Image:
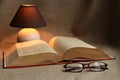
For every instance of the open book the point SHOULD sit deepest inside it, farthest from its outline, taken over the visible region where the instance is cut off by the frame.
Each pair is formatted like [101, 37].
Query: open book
[58, 49]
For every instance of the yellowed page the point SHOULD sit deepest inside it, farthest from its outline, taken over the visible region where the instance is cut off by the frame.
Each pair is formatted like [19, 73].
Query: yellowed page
[31, 53]
[62, 44]
[34, 47]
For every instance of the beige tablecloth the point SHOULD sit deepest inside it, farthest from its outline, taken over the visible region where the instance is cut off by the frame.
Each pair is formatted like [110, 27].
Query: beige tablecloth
[54, 72]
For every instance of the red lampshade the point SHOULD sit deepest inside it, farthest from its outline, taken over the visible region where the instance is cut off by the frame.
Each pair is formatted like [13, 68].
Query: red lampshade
[28, 16]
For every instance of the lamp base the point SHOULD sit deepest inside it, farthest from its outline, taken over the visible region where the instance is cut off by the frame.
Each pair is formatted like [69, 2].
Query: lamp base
[28, 34]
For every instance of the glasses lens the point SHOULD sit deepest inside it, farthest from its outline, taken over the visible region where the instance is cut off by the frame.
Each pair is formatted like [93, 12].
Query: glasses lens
[97, 66]
[74, 67]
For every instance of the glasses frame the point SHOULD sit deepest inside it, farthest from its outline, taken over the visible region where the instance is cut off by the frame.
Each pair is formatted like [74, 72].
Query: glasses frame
[84, 67]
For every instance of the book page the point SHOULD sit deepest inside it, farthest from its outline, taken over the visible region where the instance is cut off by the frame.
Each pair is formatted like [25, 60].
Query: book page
[31, 53]
[33, 47]
[62, 44]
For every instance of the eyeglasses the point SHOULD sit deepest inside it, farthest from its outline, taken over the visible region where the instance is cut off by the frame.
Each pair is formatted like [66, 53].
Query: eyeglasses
[92, 66]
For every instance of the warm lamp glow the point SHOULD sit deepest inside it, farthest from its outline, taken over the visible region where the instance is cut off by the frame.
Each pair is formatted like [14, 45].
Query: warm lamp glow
[28, 16]
[28, 34]
[52, 42]
[27, 5]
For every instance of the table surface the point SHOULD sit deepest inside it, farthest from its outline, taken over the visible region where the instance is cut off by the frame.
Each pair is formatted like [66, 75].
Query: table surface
[55, 72]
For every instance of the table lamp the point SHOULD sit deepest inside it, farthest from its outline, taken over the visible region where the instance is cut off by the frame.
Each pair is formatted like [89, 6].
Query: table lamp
[28, 17]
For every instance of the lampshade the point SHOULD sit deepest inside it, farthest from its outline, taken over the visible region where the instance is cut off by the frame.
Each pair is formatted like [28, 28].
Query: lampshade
[28, 16]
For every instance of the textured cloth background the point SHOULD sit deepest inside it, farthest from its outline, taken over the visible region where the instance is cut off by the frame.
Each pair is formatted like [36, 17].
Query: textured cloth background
[92, 20]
